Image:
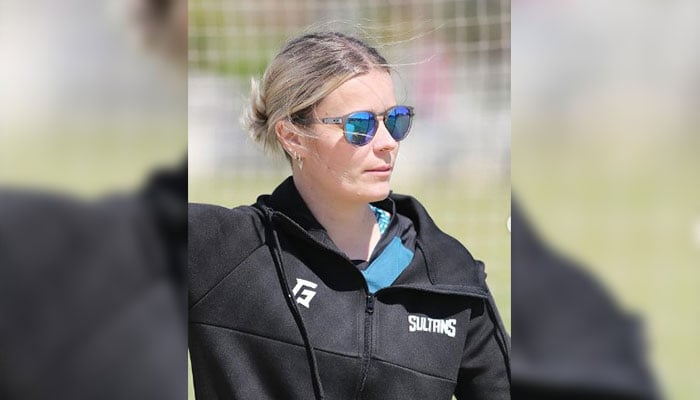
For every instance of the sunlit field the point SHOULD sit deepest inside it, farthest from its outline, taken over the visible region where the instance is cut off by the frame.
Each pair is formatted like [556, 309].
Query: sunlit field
[90, 160]
[627, 207]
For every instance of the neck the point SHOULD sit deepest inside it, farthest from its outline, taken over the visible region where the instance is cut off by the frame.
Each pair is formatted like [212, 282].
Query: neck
[351, 225]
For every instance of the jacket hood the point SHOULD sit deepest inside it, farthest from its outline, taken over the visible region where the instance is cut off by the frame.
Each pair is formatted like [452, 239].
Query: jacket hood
[441, 263]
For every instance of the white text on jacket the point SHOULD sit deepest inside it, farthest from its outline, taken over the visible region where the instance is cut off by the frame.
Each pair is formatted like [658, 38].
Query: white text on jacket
[425, 324]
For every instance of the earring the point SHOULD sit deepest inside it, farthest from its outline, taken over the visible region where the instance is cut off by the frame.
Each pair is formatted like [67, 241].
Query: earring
[299, 160]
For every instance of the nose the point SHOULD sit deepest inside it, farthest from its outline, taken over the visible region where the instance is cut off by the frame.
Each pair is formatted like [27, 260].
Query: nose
[383, 141]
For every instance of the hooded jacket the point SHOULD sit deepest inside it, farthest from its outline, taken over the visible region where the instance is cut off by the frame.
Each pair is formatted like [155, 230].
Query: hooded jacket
[277, 311]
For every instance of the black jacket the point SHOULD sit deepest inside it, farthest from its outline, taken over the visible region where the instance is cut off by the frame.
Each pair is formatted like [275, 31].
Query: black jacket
[92, 293]
[433, 333]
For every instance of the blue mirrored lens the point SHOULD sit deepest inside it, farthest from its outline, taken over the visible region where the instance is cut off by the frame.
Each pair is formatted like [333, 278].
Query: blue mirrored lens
[360, 127]
[398, 122]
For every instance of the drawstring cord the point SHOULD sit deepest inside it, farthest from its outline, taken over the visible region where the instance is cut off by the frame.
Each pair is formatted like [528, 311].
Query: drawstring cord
[276, 251]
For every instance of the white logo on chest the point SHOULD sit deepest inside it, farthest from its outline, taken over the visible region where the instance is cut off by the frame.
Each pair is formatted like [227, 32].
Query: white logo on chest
[306, 294]
[424, 324]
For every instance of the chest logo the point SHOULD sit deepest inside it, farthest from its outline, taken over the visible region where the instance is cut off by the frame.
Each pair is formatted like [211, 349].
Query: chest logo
[303, 293]
[424, 324]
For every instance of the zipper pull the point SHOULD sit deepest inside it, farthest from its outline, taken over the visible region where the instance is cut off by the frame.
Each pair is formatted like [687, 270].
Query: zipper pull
[370, 303]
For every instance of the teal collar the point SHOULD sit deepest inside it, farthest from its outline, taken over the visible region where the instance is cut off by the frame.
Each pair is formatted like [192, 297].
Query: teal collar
[383, 217]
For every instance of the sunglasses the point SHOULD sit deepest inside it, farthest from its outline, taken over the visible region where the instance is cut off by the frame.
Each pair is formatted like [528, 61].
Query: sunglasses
[361, 126]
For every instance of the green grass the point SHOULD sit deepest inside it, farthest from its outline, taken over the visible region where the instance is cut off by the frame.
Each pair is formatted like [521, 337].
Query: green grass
[87, 162]
[626, 207]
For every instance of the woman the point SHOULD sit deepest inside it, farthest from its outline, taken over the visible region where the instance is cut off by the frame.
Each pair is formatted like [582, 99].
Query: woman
[333, 287]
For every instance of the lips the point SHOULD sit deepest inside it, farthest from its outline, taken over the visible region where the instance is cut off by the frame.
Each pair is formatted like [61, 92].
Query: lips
[383, 168]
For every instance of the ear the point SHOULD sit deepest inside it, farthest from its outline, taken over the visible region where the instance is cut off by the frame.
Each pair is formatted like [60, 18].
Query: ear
[291, 141]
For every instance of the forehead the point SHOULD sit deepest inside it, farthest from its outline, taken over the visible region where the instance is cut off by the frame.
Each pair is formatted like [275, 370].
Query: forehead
[373, 91]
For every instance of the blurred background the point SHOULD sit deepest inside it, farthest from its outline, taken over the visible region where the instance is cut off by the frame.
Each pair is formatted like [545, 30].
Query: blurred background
[93, 95]
[605, 158]
[453, 64]
[604, 134]
[93, 100]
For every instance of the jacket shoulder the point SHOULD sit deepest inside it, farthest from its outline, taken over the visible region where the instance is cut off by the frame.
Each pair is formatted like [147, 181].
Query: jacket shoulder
[219, 239]
[448, 261]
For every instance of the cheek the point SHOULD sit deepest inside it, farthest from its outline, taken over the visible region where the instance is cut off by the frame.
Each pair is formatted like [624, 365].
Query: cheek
[336, 160]
[340, 165]
[336, 157]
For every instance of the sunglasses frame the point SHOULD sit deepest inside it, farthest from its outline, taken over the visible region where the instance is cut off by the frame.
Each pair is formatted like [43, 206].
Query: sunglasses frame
[343, 120]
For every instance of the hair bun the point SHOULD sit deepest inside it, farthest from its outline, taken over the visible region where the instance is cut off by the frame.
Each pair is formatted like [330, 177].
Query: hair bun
[255, 118]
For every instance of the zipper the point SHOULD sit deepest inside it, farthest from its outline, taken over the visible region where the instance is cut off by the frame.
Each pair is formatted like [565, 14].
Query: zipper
[367, 353]
[369, 307]
[370, 304]
[370, 300]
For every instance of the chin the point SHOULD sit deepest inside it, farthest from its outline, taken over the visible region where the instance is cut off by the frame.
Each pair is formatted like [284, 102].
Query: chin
[379, 193]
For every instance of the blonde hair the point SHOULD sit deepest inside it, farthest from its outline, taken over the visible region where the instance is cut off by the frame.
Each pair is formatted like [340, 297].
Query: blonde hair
[305, 71]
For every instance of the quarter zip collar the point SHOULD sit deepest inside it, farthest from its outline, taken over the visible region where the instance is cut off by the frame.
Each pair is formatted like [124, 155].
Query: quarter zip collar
[436, 251]
[287, 200]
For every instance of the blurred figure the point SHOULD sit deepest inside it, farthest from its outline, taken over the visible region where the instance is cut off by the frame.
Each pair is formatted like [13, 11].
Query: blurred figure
[605, 147]
[162, 27]
[571, 341]
[92, 293]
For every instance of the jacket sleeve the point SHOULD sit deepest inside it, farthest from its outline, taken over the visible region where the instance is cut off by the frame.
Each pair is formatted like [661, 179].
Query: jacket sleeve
[218, 239]
[485, 368]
